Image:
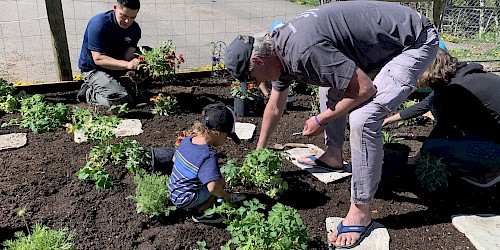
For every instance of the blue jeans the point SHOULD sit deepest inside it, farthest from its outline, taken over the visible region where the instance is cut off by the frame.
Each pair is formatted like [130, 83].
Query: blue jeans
[203, 195]
[394, 83]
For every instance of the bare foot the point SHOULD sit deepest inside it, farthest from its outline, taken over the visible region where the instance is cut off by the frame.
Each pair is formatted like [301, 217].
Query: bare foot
[358, 215]
[331, 157]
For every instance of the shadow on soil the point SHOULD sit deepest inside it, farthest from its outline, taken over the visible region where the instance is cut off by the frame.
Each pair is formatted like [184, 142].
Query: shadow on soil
[457, 198]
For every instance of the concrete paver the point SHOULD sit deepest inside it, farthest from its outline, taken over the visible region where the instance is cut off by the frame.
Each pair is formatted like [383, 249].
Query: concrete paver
[483, 230]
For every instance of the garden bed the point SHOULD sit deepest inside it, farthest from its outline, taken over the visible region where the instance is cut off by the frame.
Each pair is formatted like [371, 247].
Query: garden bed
[40, 177]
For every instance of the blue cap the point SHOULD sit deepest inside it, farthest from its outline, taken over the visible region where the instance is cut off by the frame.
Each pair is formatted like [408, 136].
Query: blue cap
[442, 46]
[276, 25]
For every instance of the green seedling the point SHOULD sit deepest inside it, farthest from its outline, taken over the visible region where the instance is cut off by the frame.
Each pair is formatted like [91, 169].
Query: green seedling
[260, 168]
[151, 194]
[431, 172]
[40, 237]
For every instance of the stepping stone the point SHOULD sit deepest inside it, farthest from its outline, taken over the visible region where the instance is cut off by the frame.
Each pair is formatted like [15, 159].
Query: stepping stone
[244, 131]
[127, 127]
[324, 175]
[12, 141]
[483, 230]
[377, 238]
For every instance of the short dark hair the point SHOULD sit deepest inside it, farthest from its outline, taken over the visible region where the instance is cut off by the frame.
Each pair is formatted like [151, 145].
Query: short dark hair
[130, 4]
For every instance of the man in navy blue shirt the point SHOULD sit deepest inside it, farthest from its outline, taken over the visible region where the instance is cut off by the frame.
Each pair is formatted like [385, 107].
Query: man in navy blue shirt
[108, 48]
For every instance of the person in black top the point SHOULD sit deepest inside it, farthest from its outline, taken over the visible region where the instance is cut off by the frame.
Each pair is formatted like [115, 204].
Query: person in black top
[466, 105]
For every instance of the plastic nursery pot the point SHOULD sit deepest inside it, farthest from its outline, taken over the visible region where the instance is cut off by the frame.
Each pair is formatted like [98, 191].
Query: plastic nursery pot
[289, 101]
[241, 107]
[395, 159]
[260, 105]
[162, 160]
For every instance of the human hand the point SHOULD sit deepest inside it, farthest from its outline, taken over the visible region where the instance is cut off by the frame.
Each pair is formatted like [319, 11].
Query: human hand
[312, 128]
[132, 64]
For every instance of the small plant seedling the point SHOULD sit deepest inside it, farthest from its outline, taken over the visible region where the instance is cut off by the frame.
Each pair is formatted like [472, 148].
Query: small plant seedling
[40, 116]
[431, 172]
[388, 138]
[40, 237]
[314, 91]
[151, 194]
[412, 121]
[260, 168]
[237, 92]
[165, 105]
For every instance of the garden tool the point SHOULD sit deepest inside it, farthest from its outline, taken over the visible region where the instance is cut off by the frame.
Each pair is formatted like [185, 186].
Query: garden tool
[278, 146]
[162, 160]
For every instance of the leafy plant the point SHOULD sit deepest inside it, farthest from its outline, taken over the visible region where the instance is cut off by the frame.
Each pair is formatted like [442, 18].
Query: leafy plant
[40, 237]
[40, 116]
[251, 93]
[202, 245]
[130, 153]
[8, 101]
[97, 128]
[119, 109]
[314, 91]
[412, 121]
[127, 152]
[160, 62]
[260, 168]
[251, 229]
[431, 172]
[151, 194]
[165, 105]
[388, 138]
[94, 168]
[216, 49]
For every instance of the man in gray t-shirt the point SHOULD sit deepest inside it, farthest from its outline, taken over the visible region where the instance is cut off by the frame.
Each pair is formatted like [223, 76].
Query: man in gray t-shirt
[337, 46]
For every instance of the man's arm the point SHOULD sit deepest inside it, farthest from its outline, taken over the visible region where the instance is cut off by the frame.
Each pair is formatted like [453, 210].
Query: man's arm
[359, 90]
[110, 63]
[272, 115]
[130, 53]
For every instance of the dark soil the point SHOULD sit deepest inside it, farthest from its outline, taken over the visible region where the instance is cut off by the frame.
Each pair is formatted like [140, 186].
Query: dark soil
[41, 178]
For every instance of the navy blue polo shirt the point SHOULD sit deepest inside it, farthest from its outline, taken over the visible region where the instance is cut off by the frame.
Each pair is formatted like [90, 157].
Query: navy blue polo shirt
[104, 35]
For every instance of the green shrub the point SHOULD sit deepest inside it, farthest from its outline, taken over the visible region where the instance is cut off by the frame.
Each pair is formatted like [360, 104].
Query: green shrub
[151, 194]
[41, 238]
[431, 172]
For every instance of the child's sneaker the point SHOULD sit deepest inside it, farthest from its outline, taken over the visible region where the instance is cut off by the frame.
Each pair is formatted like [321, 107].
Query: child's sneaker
[207, 219]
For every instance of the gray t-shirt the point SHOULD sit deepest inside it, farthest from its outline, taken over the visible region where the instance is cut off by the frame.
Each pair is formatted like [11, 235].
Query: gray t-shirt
[323, 45]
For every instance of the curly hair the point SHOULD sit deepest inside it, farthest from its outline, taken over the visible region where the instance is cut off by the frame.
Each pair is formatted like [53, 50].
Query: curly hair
[440, 72]
[201, 129]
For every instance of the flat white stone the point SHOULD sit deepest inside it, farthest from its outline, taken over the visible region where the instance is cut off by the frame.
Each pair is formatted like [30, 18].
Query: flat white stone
[377, 238]
[244, 131]
[324, 175]
[483, 230]
[127, 127]
[14, 140]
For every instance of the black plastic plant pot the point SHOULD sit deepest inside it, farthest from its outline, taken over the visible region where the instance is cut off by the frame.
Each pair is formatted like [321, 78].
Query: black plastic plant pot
[289, 102]
[241, 107]
[162, 160]
[395, 159]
